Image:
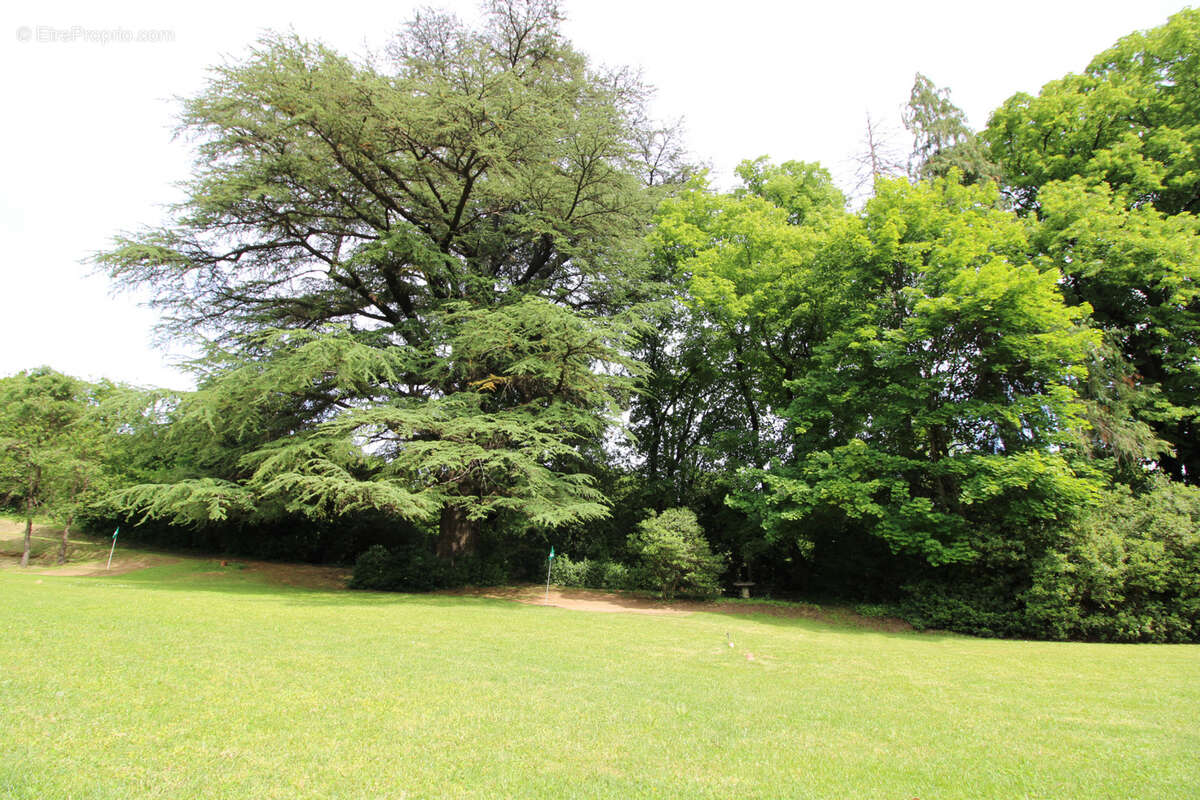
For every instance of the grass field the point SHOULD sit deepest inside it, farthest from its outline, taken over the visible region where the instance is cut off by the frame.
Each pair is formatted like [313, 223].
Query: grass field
[192, 681]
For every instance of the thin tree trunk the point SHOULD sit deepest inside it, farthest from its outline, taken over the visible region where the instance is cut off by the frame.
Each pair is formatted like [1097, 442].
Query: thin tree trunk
[81, 483]
[34, 483]
[28, 532]
[62, 549]
[457, 535]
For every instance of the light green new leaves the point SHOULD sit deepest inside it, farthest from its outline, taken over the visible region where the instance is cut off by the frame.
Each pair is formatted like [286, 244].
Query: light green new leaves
[1130, 120]
[950, 357]
[746, 257]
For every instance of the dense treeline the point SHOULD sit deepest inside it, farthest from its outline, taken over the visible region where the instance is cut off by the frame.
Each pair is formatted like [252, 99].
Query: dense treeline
[474, 303]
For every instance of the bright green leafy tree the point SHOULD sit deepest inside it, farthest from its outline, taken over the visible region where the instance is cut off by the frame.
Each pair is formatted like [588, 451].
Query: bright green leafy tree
[1129, 120]
[1109, 161]
[53, 447]
[945, 403]
[930, 385]
[755, 264]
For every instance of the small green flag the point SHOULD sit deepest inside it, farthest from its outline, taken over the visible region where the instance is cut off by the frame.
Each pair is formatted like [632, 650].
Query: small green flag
[551, 552]
[118, 530]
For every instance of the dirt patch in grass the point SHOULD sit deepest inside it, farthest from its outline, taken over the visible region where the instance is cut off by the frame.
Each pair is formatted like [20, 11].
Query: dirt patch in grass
[593, 600]
[45, 545]
[84, 559]
[10, 528]
[575, 599]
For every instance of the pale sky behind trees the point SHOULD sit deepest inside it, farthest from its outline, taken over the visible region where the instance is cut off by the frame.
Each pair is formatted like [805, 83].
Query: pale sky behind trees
[88, 135]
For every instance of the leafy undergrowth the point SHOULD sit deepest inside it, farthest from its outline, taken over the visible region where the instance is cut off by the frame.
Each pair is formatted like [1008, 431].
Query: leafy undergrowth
[195, 680]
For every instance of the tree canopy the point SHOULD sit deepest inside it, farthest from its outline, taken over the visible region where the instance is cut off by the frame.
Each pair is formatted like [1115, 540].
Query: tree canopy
[1107, 161]
[56, 446]
[414, 271]
[1128, 120]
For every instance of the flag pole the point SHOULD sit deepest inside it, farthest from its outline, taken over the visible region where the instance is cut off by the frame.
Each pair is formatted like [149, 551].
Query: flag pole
[549, 562]
[114, 547]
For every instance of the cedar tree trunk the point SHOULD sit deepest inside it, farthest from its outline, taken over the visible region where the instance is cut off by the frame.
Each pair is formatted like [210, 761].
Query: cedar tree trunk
[457, 535]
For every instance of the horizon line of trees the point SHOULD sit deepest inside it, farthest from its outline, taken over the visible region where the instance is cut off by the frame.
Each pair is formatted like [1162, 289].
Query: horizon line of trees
[474, 302]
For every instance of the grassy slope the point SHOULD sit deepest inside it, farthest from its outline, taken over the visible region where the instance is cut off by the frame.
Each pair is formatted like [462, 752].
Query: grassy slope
[186, 681]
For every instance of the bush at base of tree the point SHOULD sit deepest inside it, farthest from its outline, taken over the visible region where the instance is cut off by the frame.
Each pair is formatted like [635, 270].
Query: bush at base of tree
[673, 549]
[963, 605]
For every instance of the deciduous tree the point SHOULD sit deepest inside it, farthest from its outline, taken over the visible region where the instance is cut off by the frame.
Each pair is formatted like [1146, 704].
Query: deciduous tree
[1107, 161]
[49, 448]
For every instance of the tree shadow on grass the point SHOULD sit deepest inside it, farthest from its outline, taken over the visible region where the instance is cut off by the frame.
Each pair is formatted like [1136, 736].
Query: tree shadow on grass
[316, 585]
[258, 579]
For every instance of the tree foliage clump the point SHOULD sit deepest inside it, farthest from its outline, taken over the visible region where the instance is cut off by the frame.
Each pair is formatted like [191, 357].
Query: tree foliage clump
[1129, 120]
[920, 368]
[673, 549]
[942, 140]
[1107, 161]
[57, 446]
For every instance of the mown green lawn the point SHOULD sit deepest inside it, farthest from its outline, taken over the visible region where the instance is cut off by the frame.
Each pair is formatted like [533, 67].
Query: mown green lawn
[187, 681]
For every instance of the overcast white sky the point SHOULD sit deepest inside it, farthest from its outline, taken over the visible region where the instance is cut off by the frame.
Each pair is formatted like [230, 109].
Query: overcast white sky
[88, 149]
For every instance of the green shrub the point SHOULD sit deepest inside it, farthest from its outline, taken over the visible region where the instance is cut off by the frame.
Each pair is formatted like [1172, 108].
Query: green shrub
[1125, 570]
[874, 610]
[1129, 572]
[673, 549]
[372, 568]
[565, 572]
[964, 604]
[615, 575]
[588, 573]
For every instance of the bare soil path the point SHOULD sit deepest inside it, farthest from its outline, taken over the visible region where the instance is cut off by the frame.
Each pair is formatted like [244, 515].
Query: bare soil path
[611, 602]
